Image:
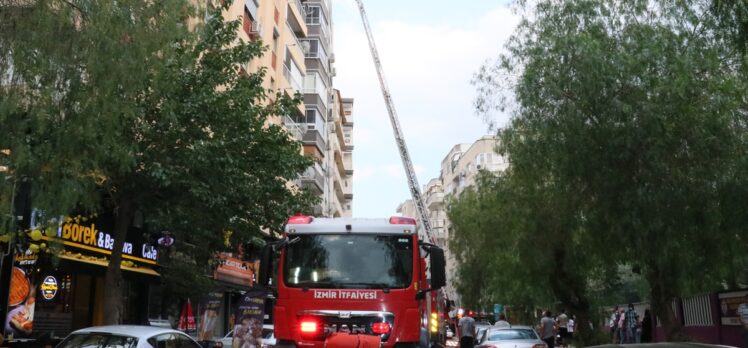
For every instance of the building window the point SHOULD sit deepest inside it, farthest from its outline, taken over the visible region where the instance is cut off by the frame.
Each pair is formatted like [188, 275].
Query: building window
[315, 16]
[247, 23]
[314, 121]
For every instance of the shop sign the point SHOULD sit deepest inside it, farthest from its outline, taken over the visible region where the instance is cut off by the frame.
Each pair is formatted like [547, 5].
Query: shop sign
[732, 306]
[91, 238]
[233, 270]
[49, 287]
[249, 316]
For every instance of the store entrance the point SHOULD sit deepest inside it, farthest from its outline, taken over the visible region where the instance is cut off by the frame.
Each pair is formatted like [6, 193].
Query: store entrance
[88, 309]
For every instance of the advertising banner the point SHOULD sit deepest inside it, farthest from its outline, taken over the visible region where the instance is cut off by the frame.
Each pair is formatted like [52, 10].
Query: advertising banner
[209, 310]
[22, 297]
[733, 306]
[249, 315]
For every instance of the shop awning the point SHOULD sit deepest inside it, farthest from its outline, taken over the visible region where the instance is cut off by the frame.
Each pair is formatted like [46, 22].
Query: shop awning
[142, 270]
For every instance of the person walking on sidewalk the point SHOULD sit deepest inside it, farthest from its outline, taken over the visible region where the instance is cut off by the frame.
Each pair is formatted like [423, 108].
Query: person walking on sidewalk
[547, 329]
[466, 331]
[562, 321]
[632, 323]
[570, 327]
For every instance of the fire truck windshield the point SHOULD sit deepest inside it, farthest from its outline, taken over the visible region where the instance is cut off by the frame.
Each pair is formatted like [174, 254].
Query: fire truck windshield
[349, 261]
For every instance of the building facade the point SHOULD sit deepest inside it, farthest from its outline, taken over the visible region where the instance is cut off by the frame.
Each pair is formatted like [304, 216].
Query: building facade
[459, 170]
[299, 59]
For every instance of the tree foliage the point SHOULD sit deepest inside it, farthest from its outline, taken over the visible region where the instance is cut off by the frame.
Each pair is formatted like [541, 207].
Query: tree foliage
[627, 144]
[119, 105]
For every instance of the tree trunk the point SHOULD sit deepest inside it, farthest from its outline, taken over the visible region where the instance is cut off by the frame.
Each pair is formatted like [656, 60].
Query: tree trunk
[113, 282]
[662, 296]
[571, 291]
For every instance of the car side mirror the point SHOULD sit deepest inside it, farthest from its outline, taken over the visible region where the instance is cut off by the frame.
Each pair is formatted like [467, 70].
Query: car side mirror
[438, 268]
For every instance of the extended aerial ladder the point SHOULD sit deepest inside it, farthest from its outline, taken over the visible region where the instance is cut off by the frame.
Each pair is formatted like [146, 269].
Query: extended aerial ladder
[415, 190]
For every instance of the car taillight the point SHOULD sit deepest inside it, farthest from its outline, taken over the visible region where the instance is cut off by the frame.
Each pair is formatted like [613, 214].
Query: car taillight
[300, 219]
[380, 328]
[401, 220]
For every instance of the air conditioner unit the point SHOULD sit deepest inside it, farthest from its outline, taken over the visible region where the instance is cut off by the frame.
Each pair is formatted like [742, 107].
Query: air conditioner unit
[256, 28]
[333, 72]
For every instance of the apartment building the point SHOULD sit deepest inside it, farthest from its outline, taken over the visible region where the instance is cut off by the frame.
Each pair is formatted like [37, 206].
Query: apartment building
[299, 59]
[459, 170]
[340, 158]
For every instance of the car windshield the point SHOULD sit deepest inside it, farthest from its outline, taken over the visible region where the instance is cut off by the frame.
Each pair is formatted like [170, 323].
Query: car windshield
[513, 334]
[349, 261]
[98, 340]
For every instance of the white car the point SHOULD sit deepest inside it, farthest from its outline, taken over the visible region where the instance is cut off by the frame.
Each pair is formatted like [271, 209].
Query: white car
[268, 338]
[128, 336]
[511, 337]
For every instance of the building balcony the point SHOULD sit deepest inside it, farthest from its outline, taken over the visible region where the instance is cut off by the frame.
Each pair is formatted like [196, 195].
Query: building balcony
[348, 188]
[296, 130]
[313, 138]
[348, 163]
[314, 179]
[296, 18]
[435, 201]
[292, 79]
[347, 138]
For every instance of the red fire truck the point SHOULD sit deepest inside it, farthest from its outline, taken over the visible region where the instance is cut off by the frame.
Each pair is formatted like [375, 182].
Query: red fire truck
[354, 276]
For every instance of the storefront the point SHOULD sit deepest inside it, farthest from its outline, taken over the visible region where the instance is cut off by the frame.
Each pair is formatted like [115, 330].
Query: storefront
[57, 283]
[232, 277]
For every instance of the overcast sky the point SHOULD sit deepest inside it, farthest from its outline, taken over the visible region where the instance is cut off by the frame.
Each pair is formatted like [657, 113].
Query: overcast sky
[430, 51]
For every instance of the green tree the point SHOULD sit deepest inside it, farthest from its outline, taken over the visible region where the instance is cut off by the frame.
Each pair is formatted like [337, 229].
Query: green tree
[529, 243]
[118, 105]
[634, 110]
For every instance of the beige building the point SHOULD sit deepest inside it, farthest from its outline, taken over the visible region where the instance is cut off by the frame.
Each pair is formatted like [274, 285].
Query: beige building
[299, 59]
[459, 169]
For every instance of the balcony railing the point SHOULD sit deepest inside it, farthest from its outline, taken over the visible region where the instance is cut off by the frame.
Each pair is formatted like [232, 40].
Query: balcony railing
[314, 175]
[295, 84]
[302, 49]
[300, 7]
[296, 130]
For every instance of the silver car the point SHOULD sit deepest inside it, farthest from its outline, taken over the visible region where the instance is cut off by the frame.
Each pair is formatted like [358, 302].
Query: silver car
[511, 337]
[128, 336]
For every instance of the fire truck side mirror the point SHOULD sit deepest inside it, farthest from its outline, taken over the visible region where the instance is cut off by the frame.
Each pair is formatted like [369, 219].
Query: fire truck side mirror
[438, 268]
[266, 265]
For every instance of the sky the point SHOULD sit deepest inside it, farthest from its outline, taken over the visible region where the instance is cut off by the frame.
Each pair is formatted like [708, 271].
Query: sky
[430, 51]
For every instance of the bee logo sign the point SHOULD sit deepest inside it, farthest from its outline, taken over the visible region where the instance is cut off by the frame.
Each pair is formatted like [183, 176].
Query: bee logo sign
[49, 287]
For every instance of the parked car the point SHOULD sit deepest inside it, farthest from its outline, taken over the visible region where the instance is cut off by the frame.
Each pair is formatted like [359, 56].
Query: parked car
[481, 328]
[511, 337]
[268, 337]
[128, 336]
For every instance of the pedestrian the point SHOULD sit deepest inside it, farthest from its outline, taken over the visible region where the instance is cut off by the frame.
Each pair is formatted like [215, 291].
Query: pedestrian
[466, 331]
[570, 327]
[561, 321]
[621, 326]
[547, 329]
[632, 322]
[742, 313]
[502, 322]
[646, 336]
[613, 325]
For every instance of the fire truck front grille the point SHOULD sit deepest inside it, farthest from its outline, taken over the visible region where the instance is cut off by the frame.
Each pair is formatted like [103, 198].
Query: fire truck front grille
[356, 322]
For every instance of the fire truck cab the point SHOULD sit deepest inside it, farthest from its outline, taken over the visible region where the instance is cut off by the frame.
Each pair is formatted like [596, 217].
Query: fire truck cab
[356, 276]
